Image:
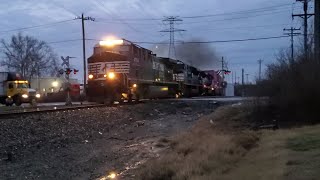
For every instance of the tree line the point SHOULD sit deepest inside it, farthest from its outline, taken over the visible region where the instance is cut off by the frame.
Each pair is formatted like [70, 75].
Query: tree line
[29, 56]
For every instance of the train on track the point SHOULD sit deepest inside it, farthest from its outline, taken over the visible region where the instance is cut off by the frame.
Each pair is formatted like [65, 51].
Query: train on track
[121, 70]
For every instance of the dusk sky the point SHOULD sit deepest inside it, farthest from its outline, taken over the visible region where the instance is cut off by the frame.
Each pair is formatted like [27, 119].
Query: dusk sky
[140, 21]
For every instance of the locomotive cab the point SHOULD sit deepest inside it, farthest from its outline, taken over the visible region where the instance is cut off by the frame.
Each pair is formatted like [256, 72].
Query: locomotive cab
[108, 78]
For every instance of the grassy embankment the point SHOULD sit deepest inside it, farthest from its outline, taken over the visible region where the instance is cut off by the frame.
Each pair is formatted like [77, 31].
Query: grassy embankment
[220, 146]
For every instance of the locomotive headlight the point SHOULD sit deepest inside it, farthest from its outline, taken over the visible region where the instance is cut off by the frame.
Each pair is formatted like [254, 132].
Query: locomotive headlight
[25, 96]
[55, 83]
[38, 95]
[134, 85]
[90, 76]
[111, 75]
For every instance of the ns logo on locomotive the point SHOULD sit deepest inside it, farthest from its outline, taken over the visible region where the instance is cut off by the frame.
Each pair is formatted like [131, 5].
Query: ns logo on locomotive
[121, 70]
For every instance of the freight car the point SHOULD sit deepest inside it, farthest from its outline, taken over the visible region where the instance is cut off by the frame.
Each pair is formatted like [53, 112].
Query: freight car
[120, 70]
[213, 83]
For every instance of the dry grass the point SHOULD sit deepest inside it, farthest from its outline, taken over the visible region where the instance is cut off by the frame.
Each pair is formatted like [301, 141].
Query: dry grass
[217, 148]
[220, 150]
[206, 152]
[291, 154]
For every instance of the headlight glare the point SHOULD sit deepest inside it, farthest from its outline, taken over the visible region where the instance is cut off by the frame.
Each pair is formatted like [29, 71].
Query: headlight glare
[25, 96]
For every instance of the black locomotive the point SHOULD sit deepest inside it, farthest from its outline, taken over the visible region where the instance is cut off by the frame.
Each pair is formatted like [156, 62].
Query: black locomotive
[125, 71]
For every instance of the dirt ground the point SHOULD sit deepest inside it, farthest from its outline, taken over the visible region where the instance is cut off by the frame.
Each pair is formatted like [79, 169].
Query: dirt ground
[91, 143]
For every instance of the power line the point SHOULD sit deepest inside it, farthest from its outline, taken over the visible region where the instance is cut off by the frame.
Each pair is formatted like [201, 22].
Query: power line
[109, 14]
[37, 26]
[137, 42]
[235, 18]
[241, 27]
[195, 22]
[217, 41]
[63, 41]
[172, 30]
[270, 8]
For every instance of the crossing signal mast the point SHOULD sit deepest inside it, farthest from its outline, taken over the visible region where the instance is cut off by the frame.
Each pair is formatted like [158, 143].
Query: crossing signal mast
[67, 71]
[172, 30]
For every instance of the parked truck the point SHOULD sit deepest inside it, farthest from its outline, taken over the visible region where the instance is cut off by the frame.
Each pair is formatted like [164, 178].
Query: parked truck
[14, 89]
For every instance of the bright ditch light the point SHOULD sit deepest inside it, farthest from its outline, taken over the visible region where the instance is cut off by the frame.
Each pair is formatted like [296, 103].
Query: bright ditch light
[111, 75]
[110, 176]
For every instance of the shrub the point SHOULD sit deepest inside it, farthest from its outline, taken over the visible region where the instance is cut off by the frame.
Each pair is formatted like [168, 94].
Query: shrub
[293, 88]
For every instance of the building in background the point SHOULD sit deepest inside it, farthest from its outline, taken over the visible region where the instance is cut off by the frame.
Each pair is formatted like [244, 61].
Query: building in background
[54, 88]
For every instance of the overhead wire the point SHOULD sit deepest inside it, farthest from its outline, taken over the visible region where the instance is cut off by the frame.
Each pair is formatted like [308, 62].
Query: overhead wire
[36, 26]
[270, 8]
[109, 14]
[64, 41]
[236, 18]
[240, 27]
[207, 42]
[257, 10]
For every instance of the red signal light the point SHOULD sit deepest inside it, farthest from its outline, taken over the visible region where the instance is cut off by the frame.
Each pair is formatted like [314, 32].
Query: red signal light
[227, 72]
[68, 71]
[75, 71]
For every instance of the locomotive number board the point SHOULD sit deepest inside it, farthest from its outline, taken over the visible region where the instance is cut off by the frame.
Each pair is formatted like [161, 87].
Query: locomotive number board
[104, 67]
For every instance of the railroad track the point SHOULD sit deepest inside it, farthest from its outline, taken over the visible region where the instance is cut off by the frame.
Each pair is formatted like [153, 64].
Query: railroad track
[11, 111]
[32, 110]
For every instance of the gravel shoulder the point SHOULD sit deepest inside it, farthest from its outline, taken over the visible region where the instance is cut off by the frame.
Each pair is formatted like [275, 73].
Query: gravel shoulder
[90, 143]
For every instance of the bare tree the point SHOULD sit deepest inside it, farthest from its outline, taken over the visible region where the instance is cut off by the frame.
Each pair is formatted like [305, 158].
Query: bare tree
[29, 56]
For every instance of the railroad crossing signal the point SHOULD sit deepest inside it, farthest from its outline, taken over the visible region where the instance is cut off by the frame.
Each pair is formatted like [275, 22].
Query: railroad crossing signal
[65, 61]
[75, 71]
[68, 72]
